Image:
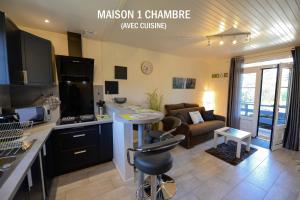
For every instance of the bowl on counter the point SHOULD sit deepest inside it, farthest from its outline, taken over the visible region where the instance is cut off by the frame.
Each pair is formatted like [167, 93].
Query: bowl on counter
[120, 100]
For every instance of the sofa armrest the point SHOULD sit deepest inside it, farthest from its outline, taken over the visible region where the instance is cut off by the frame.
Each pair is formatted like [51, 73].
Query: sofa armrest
[220, 117]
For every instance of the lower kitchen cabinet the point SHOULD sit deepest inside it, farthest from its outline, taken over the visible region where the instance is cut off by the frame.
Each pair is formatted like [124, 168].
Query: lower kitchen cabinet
[48, 165]
[105, 147]
[81, 147]
[35, 181]
[23, 191]
[32, 185]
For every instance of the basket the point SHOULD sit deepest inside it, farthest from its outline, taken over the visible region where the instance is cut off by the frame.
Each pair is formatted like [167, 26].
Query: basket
[11, 134]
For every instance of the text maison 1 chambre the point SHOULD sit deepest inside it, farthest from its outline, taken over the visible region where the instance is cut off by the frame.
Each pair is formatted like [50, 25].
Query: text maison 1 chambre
[147, 14]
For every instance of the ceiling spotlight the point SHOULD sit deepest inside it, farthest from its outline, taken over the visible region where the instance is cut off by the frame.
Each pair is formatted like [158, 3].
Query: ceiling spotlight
[234, 42]
[221, 42]
[47, 21]
[247, 38]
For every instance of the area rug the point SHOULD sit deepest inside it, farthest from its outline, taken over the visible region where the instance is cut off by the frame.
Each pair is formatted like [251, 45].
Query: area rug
[227, 152]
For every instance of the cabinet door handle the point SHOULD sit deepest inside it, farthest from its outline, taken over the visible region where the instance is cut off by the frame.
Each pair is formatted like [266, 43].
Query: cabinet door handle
[29, 179]
[25, 77]
[79, 135]
[75, 61]
[44, 150]
[79, 152]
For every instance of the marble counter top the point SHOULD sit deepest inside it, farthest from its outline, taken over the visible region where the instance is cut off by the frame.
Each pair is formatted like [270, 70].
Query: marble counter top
[40, 133]
[133, 114]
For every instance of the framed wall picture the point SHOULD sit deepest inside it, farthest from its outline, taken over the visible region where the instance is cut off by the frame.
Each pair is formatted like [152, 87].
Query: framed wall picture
[111, 87]
[178, 83]
[184, 83]
[190, 83]
[120, 72]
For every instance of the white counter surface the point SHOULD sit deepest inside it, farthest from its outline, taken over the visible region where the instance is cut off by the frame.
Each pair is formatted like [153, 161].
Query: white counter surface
[40, 133]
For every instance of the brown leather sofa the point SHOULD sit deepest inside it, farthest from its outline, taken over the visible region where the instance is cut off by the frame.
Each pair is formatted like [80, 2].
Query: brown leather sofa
[194, 133]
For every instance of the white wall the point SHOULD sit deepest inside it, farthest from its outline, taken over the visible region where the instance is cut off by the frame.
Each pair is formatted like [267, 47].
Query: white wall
[164, 68]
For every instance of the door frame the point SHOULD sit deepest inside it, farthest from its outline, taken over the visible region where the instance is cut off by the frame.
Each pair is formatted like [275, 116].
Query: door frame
[275, 99]
[280, 68]
[256, 70]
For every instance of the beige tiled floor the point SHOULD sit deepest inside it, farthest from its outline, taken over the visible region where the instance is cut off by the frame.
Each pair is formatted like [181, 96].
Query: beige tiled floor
[199, 176]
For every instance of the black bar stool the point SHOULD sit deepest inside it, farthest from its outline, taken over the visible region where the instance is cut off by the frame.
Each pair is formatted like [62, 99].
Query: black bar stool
[155, 160]
[157, 135]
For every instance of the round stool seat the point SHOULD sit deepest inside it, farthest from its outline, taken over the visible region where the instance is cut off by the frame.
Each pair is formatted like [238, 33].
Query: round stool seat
[153, 164]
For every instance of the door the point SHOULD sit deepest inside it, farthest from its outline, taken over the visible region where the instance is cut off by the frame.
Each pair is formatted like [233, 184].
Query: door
[35, 181]
[23, 192]
[249, 101]
[105, 142]
[267, 103]
[281, 105]
[37, 59]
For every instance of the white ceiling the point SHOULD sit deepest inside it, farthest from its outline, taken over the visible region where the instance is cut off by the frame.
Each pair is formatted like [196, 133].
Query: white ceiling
[272, 23]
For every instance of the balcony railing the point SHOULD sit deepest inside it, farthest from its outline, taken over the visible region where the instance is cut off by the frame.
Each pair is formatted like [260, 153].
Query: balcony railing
[266, 114]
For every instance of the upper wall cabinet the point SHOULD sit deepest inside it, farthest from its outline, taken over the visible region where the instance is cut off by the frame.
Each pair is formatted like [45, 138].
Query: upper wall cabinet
[29, 57]
[4, 77]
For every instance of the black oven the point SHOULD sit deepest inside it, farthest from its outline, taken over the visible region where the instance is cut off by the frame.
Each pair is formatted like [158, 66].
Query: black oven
[75, 76]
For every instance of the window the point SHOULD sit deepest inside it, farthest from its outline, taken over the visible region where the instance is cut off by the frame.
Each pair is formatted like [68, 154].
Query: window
[248, 94]
[283, 96]
[269, 62]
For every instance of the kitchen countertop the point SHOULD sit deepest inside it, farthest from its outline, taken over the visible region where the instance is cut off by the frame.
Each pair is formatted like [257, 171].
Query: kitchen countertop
[133, 114]
[40, 133]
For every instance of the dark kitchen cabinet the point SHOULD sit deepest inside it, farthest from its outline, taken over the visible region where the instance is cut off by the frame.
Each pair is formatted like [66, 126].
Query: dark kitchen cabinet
[48, 165]
[80, 147]
[4, 76]
[75, 148]
[29, 57]
[23, 191]
[35, 183]
[32, 185]
[105, 143]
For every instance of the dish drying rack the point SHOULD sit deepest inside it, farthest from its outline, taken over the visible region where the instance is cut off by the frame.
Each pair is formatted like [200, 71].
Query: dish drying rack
[12, 137]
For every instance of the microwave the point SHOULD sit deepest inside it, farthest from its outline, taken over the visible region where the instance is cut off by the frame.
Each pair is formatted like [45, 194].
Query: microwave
[37, 114]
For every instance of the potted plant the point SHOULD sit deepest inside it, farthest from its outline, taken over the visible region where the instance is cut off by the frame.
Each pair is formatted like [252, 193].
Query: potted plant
[154, 102]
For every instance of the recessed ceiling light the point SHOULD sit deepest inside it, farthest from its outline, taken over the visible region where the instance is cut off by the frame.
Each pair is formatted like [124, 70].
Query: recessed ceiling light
[47, 21]
[221, 42]
[234, 42]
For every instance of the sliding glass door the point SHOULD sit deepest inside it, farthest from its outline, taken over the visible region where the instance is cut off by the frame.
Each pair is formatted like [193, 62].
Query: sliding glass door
[249, 101]
[281, 105]
[267, 103]
[264, 103]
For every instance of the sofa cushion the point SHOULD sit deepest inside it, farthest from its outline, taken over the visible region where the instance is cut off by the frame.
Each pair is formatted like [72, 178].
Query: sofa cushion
[170, 107]
[185, 113]
[190, 105]
[196, 117]
[208, 115]
[205, 127]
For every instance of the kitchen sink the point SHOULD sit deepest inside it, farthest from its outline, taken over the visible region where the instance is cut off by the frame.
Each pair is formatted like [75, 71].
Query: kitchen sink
[6, 162]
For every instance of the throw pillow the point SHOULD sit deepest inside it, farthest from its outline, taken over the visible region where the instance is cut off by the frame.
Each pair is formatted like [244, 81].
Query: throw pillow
[181, 117]
[196, 117]
[208, 115]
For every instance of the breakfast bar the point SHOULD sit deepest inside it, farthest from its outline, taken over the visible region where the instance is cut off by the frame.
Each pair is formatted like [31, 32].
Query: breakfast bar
[124, 117]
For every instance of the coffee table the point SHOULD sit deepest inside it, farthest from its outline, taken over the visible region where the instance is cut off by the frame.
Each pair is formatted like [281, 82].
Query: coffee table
[233, 134]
